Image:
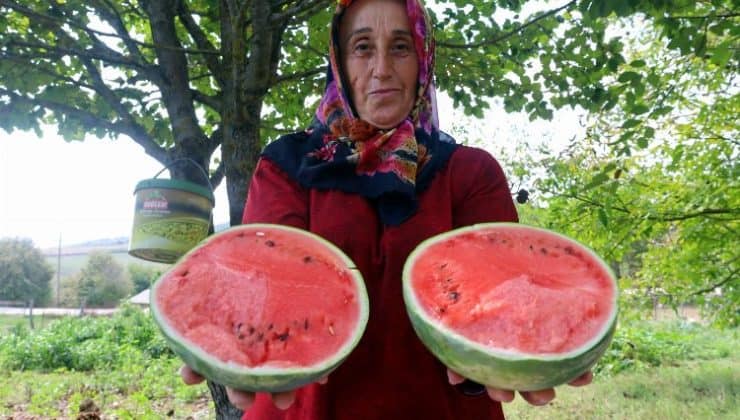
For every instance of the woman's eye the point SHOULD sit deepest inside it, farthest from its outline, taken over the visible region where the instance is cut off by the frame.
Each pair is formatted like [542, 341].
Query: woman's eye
[361, 48]
[401, 48]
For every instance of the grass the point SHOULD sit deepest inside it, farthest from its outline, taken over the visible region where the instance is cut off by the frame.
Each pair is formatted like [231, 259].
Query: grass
[707, 389]
[143, 392]
[695, 390]
[652, 370]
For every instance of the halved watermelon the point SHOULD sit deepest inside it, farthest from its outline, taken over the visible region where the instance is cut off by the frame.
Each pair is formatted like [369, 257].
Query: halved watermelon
[262, 307]
[511, 306]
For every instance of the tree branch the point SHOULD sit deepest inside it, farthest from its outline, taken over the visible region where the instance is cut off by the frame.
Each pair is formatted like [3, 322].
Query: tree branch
[201, 40]
[138, 133]
[93, 121]
[296, 76]
[700, 213]
[301, 7]
[114, 20]
[308, 48]
[20, 60]
[730, 277]
[109, 56]
[218, 175]
[496, 40]
[213, 102]
[665, 217]
[722, 16]
[33, 15]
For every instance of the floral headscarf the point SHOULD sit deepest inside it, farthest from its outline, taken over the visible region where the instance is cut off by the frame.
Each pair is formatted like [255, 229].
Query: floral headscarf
[335, 102]
[344, 152]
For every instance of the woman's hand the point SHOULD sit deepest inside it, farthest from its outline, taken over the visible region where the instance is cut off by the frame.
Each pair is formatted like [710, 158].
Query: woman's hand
[243, 399]
[541, 397]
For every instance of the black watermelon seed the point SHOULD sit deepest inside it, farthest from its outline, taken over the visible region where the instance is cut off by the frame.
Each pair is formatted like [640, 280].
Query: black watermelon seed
[307, 259]
[305, 324]
[454, 296]
[283, 336]
[270, 243]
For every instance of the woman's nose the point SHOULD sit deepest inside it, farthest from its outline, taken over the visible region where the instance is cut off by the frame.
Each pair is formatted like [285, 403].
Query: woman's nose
[383, 65]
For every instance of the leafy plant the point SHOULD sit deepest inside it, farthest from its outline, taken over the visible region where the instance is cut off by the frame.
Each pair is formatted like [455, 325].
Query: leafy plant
[84, 343]
[642, 345]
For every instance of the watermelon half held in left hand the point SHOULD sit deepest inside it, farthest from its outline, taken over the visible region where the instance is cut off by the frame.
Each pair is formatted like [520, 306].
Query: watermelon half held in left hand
[511, 306]
[262, 307]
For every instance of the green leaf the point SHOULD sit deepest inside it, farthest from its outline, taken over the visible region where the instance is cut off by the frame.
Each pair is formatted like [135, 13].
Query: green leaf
[721, 55]
[639, 109]
[629, 76]
[630, 123]
[603, 217]
[597, 180]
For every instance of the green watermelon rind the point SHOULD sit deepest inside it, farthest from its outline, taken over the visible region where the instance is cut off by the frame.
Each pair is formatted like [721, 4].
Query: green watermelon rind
[264, 378]
[502, 368]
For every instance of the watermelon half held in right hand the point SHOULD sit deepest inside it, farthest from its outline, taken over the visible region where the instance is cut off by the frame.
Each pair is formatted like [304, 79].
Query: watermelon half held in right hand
[511, 306]
[262, 307]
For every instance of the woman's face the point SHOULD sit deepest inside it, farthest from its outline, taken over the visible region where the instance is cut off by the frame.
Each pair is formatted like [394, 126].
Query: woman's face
[379, 60]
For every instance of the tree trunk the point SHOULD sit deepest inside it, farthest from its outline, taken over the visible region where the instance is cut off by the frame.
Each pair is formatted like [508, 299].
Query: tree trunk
[240, 152]
[224, 409]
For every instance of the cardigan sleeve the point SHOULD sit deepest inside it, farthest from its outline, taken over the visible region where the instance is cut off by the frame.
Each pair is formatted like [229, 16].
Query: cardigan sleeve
[480, 191]
[275, 198]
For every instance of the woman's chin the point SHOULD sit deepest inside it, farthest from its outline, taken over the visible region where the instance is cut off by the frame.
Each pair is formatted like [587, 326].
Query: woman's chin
[384, 122]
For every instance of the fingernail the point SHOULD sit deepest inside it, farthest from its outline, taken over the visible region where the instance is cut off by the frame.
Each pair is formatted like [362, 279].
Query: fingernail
[454, 378]
[283, 400]
[239, 399]
[500, 396]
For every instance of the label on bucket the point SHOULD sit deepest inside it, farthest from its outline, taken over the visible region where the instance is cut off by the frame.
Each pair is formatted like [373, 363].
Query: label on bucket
[154, 202]
[168, 223]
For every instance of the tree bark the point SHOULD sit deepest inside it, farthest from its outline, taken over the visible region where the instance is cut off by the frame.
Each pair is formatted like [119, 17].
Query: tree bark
[224, 409]
[190, 142]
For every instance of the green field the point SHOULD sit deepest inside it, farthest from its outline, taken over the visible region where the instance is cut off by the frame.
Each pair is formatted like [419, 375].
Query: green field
[653, 370]
[707, 389]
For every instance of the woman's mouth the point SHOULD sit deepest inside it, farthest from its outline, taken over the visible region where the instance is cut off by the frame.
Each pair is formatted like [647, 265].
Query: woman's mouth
[379, 93]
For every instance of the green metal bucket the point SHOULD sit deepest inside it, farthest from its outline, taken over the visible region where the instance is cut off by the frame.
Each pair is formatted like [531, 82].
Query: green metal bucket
[171, 217]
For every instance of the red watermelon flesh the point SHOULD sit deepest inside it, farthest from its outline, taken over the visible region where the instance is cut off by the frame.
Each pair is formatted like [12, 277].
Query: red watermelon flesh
[262, 297]
[533, 293]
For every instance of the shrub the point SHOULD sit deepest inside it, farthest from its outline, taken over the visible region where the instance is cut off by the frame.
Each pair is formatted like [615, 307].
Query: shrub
[639, 345]
[84, 343]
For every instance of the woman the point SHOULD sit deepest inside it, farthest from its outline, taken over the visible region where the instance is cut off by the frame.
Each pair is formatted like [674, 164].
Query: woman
[374, 175]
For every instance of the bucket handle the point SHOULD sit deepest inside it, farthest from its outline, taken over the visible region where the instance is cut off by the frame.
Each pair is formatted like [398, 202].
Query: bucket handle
[202, 171]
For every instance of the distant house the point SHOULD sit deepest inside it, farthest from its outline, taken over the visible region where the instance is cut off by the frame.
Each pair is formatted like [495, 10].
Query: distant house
[141, 299]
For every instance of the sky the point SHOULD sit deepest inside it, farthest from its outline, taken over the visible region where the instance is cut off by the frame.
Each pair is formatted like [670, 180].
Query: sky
[81, 191]
[77, 190]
